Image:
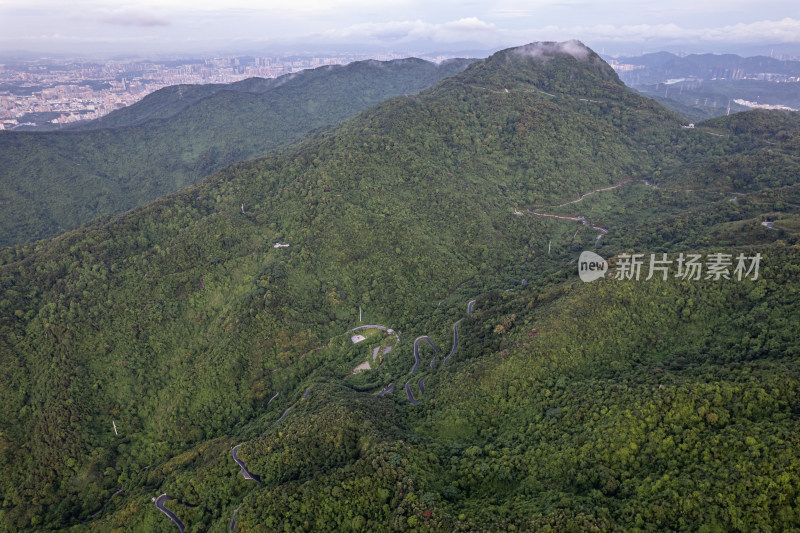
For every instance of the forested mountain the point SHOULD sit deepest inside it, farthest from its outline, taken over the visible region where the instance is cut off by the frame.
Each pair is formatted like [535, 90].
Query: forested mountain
[364, 82]
[137, 350]
[52, 181]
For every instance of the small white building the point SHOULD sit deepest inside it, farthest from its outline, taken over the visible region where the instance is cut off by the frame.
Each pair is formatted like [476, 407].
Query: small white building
[357, 338]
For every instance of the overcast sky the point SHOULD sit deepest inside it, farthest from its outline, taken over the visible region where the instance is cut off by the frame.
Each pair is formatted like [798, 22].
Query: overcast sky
[402, 25]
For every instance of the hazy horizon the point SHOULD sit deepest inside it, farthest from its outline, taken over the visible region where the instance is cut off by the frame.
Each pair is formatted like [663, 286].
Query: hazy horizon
[624, 27]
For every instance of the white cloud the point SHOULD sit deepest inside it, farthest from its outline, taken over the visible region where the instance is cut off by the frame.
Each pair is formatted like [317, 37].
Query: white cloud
[264, 6]
[482, 24]
[544, 50]
[134, 17]
[476, 30]
[465, 29]
[782, 31]
[786, 30]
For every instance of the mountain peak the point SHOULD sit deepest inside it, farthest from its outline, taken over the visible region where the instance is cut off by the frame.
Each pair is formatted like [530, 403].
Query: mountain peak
[565, 67]
[548, 49]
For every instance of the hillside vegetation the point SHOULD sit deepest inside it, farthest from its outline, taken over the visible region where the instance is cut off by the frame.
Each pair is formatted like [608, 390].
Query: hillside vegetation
[54, 181]
[617, 405]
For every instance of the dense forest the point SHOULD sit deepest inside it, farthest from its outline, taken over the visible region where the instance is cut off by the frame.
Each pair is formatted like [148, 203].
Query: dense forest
[137, 350]
[53, 181]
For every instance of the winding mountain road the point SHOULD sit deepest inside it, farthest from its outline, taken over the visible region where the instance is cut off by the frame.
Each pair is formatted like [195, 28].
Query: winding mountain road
[286, 412]
[245, 472]
[369, 326]
[416, 350]
[376, 326]
[107, 502]
[611, 188]
[387, 390]
[470, 304]
[160, 505]
[581, 218]
[232, 525]
[455, 340]
[410, 397]
[421, 391]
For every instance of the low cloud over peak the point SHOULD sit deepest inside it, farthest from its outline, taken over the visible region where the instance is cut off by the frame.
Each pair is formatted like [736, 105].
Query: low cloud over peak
[573, 48]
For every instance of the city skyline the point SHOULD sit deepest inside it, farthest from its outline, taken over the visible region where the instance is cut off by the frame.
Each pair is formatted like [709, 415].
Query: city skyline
[107, 27]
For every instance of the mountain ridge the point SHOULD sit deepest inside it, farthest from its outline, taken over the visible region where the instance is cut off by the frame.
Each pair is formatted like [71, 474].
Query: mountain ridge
[162, 104]
[50, 181]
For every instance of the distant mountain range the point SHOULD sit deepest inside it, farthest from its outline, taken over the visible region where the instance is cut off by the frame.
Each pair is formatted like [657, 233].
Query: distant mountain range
[53, 181]
[191, 361]
[662, 66]
[701, 86]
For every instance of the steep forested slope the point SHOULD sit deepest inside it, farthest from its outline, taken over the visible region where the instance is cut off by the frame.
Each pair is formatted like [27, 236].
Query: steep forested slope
[52, 181]
[180, 321]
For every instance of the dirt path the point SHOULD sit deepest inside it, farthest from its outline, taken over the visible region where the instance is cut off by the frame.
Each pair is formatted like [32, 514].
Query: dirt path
[581, 218]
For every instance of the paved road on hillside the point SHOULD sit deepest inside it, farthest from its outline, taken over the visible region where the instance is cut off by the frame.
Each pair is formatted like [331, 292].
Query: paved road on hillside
[410, 397]
[369, 326]
[286, 412]
[581, 218]
[620, 184]
[245, 472]
[416, 350]
[105, 504]
[421, 391]
[416, 356]
[160, 504]
[455, 341]
[232, 525]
